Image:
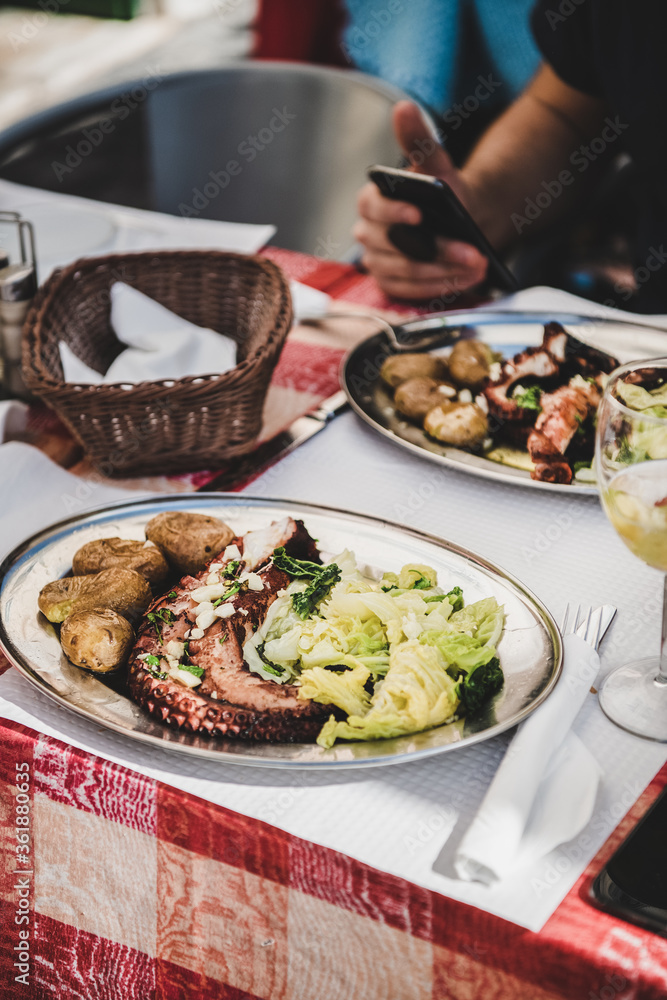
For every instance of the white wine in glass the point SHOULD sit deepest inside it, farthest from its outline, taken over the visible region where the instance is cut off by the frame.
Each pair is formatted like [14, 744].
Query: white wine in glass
[631, 467]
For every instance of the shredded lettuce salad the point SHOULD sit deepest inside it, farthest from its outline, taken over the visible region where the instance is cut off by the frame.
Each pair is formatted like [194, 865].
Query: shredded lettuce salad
[646, 440]
[393, 656]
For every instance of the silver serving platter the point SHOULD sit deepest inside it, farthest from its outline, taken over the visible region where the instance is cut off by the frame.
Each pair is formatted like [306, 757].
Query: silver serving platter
[530, 649]
[507, 332]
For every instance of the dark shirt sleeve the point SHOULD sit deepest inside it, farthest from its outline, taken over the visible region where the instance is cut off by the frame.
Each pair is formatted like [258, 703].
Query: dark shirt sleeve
[564, 34]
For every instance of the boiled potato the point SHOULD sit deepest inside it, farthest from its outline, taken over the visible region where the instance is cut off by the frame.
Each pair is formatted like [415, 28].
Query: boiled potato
[400, 367]
[106, 553]
[188, 541]
[121, 590]
[459, 424]
[99, 640]
[415, 397]
[470, 363]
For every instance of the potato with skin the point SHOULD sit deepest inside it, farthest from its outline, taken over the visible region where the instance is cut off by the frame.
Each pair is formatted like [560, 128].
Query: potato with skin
[414, 398]
[470, 363]
[107, 553]
[99, 640]
[121, 590]
[400, 367]
[188, 541]
[460, 424]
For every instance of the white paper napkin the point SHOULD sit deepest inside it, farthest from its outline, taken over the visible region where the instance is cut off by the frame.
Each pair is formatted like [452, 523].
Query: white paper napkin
[543, 793]
[160, 344]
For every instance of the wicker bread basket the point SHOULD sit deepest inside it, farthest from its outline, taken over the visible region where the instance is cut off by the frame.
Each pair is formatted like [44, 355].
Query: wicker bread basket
[164, 426]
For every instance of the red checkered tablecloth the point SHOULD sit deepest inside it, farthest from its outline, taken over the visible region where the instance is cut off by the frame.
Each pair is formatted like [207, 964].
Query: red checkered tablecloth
[125, 887]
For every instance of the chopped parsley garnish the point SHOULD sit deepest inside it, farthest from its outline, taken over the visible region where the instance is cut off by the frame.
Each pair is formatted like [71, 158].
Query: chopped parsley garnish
[305, 603]
[192, 668]
[159, 618]
[171, 595]
[232, 568]
[529, 399]
[271, 669]
[159, 675]
[151, 664]
[322, 580]
[227, 594]
[295, 567]
[223, 639]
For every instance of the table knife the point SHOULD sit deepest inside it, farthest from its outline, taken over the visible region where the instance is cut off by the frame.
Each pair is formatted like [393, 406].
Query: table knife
[300, 430]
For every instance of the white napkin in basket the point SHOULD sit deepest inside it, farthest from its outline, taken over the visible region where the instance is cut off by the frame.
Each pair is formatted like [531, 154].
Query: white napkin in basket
[543, 793]
[160, 344]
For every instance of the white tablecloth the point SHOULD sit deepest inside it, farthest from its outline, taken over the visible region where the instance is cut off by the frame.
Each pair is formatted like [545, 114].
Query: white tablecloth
[406, 819]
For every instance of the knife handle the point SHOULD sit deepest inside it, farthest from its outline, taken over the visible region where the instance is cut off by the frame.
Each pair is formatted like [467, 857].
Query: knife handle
[330, 407]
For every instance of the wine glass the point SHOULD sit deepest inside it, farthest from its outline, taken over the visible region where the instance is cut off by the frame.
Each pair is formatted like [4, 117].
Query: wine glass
[631, 467]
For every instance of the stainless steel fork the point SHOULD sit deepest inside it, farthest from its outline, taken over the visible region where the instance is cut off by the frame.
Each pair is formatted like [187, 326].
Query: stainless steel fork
[593, 624]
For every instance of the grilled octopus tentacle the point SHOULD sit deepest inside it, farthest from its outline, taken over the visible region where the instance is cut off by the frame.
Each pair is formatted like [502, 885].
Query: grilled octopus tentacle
[230, 701]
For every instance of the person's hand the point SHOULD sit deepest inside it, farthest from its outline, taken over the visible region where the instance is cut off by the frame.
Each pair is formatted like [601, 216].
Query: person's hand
[458, 266]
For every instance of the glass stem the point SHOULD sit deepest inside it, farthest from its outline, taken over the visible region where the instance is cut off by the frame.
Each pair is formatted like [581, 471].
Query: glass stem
[662, 673]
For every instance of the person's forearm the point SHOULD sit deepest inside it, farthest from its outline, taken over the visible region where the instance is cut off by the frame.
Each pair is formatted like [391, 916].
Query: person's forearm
[520, 175]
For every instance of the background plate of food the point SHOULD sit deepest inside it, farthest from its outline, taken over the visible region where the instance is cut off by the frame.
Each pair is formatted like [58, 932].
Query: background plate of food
[274, 633]
[507, 396]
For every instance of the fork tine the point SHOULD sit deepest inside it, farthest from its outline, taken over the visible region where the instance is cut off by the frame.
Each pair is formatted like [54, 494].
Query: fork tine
[587, 625]
[563, 627]
[592, 636]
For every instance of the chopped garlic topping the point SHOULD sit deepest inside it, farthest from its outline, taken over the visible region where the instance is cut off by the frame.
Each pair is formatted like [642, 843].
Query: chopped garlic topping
[224, 611]
[231, 552]
[209, 593]
[196, 633]
[206, 618]
[482, 403]
[187, 634]
[579, 382]
[447, 390]
[253, 580]
[204, 606]
[184, 677]
[495, 371]
[212, 578]
[465, 396]
[175, 648]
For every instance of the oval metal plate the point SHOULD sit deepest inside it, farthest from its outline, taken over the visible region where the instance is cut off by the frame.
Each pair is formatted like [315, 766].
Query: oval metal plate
[530, 648]
[504, 331]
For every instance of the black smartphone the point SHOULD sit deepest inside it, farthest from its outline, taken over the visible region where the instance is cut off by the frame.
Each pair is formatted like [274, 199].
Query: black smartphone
[442, 215]
[633, 884]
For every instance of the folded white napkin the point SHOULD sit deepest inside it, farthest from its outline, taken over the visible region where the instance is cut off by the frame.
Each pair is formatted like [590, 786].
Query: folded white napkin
[13, 419]
[34, 492]
[160, 344]
[544, 791]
